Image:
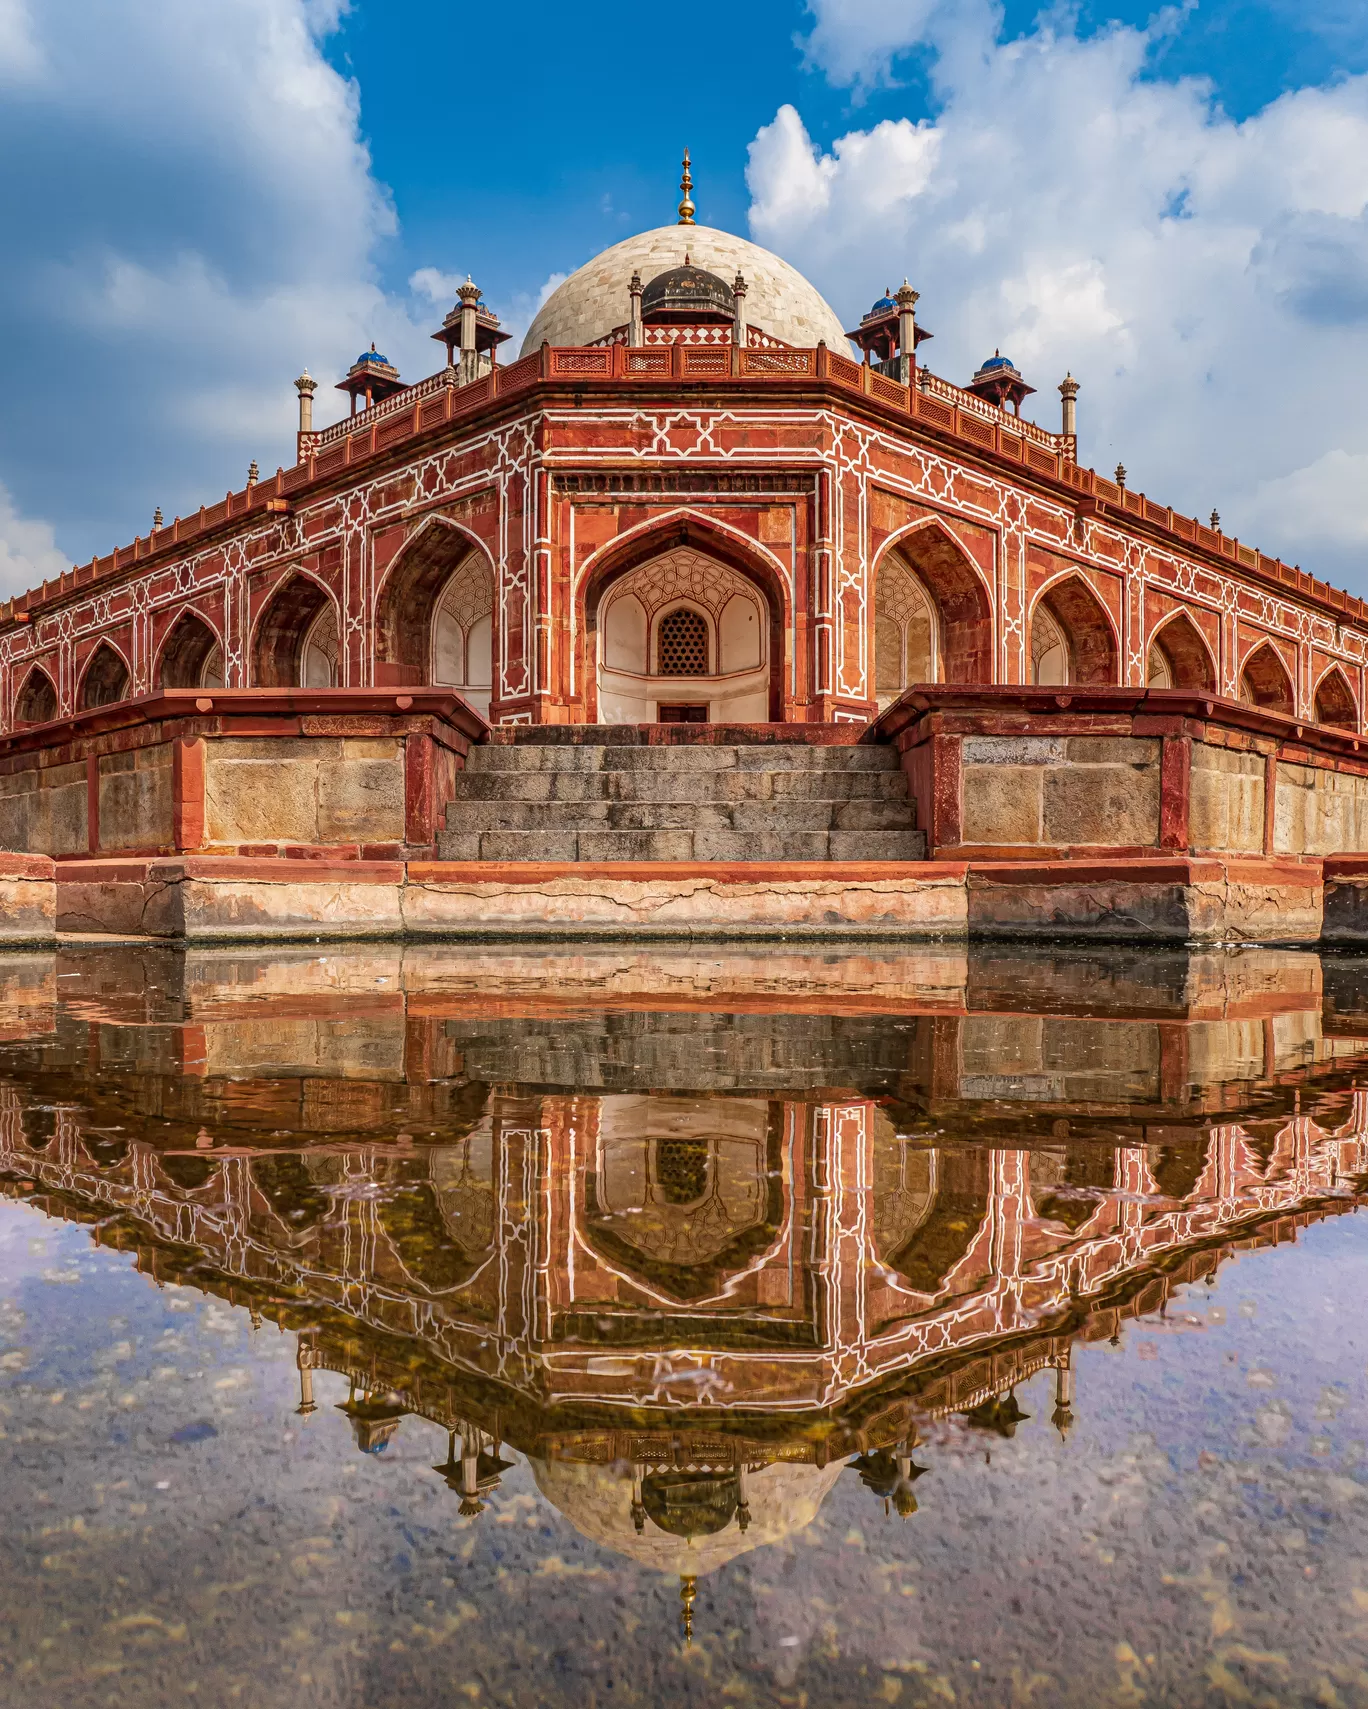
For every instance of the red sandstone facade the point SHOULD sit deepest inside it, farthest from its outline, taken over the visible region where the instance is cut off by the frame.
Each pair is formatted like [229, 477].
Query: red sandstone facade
[802, 471]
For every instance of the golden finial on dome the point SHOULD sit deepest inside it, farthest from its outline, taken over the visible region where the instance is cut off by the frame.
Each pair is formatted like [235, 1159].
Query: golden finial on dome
[688, 1591]
[686, 207]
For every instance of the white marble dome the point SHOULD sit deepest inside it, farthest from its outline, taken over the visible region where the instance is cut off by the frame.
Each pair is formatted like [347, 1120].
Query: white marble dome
[594, 300]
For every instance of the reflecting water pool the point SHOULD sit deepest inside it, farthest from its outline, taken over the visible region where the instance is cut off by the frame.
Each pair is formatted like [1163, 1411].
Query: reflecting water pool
[448, 1325]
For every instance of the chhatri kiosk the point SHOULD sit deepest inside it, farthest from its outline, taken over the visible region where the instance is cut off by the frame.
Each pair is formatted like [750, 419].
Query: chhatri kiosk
[705, 612]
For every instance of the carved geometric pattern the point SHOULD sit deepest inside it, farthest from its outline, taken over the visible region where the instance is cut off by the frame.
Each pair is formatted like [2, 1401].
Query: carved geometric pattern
[511, 463]
[469, 593]
[683, 574]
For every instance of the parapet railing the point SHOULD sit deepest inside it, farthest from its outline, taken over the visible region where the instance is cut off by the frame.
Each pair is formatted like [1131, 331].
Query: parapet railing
[933, 402]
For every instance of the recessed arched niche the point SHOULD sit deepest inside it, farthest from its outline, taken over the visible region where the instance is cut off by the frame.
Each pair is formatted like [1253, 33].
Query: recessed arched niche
[683, 637]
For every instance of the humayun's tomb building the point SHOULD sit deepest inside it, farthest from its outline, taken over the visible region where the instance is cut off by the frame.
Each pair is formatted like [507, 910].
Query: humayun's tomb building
[704, 612]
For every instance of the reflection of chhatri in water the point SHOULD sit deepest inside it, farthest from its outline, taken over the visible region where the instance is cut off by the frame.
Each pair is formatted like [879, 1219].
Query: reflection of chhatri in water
[689, 1314]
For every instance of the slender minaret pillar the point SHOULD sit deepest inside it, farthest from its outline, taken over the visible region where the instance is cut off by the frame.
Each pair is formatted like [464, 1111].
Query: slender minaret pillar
[304, 1360]
[743, 1512]
[1068, 391]
[906, 300]
[469, 295]
[1062, 1418]
[739, 333]
[636, 332]
[306, 386]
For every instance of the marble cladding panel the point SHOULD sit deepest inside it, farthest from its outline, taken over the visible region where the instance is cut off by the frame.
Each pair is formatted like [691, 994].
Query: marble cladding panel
[136, 799]
[1319, 812]
[1226, 804]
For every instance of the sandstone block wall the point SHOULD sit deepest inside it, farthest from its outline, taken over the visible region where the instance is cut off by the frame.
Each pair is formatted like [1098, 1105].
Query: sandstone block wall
[44, 811]
[1317, 812]
[1056, 791]
[1226, 802]
[304, 790]
[136, 796]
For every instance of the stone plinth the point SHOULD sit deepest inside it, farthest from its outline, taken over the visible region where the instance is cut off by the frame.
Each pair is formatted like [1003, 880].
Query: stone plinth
[1037, 774]
[335, 773]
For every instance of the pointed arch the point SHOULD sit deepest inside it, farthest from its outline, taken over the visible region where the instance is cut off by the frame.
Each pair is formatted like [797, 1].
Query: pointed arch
[906, 638]
[684, 535]
[408, 637]
[191, 655]
[106, 678]
[928, 558]
[1335, 702]
[295, 636]
[1070, 616]
[462, 638]
[1265, 681]
[36, 702]
[1179, 652]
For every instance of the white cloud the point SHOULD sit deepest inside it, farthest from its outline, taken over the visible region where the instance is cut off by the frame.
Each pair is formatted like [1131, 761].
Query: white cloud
[20, 58]
[196, 221]
[1204, 279]
[28, 551]
[437, 287]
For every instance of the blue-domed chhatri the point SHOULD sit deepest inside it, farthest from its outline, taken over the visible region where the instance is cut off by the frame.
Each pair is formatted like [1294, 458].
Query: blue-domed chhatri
[371, 377]
[999, 380]
[889, 335]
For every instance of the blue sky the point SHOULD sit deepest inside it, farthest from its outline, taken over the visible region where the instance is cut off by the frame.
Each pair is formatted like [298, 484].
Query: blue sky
[210, 196]
[576, 143]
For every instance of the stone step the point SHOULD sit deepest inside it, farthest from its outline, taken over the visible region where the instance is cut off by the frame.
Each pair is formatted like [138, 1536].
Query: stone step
[611, 794]
[682, 845]
[775, 757]
[467, 816]
[646, 786]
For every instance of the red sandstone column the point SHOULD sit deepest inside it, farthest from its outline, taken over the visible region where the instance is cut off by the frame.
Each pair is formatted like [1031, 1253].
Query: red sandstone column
[187, 792]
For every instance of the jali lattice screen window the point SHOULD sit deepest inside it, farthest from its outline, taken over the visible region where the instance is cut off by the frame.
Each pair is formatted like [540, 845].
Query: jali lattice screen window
[682, 646]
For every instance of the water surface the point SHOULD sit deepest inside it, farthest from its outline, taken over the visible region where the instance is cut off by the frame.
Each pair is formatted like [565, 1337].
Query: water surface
[449, 1325]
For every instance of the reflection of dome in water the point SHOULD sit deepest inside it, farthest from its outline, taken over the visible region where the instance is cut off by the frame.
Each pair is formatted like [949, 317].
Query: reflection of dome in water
[597, 1500]
[690, 1504]
[779, 300]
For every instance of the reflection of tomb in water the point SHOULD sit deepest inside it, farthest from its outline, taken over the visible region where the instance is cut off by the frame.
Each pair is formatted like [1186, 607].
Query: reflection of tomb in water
[689, 1264]
[684, 1193]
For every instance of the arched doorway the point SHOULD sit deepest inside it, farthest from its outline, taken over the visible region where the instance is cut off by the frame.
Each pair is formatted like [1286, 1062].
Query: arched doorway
[932, 617]
[434, 621]
[1265, 682]
[296, 643]
[191, 655]
[105, 680]
[1071, 637]
[1335, 703]
[1179, 657]
[684, 637]
[37, 701]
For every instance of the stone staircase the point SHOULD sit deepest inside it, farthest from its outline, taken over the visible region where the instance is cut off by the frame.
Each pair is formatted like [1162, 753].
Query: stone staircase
[621, 792]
